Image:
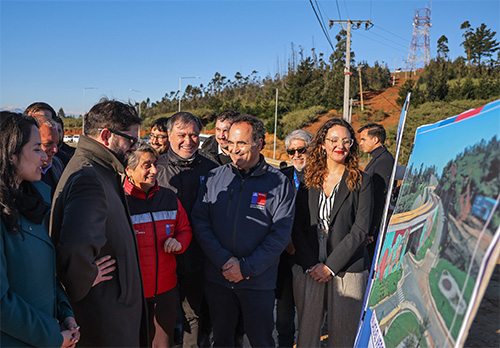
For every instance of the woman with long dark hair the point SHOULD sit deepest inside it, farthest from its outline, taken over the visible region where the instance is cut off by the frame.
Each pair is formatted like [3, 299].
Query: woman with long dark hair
[329, 237]
[34, 308]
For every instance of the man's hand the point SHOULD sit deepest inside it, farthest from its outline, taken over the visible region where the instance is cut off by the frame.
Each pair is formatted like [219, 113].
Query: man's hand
[320, 273]
[369, 240]
[172, 245]
[231, 270]
[290, 248]
[70, 332]
[104, 266]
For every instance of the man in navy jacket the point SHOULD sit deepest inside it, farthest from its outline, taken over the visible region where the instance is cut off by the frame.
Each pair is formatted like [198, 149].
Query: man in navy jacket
[242, 220]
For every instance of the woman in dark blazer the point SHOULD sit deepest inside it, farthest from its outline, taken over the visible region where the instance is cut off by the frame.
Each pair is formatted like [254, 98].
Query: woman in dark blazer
[34, 308]
[329, 237]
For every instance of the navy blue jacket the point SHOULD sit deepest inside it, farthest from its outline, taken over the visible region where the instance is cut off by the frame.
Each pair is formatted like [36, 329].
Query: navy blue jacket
[249, 218]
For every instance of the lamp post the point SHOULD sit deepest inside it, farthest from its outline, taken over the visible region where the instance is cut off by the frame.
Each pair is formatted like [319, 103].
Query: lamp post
[83, 114]
[134, 90]
[180, 82]
[275, 124]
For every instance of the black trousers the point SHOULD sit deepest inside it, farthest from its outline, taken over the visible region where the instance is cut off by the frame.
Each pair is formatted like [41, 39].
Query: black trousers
[161, 319]
[256, 306]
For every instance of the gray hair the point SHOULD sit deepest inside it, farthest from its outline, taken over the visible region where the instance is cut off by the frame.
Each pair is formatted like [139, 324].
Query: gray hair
[184, 118]
[299, 134]
[135, 156]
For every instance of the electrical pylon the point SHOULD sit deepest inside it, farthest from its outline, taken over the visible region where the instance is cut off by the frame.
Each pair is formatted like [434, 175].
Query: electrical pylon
[420, 48]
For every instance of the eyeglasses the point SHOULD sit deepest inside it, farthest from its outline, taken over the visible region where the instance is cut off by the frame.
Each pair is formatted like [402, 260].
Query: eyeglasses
[133, 140]
[300, 150]
[336, 142]
[158, 137]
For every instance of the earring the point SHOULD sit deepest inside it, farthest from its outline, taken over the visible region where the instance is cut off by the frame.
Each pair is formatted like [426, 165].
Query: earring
[323, 152]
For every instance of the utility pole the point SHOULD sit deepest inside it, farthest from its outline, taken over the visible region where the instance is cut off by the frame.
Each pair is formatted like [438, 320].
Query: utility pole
[347, 69]
[361, 86]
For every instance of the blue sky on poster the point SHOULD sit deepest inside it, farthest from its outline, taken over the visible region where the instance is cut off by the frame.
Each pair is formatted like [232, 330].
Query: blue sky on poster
[439, 146]
[51, 50]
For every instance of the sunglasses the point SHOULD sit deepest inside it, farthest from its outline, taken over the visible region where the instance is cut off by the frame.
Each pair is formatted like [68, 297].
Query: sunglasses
[133, 140]
[300, 150]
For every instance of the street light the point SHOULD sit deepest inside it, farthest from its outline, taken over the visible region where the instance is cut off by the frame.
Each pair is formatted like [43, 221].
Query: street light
[180, 82]
[83, 114]
[134, 90]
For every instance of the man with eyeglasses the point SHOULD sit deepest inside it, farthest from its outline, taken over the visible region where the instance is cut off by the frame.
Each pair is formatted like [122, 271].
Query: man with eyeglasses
[372, 138]
[182, 169]
[243, 219]
[97, 259]
[158, 135]
[297, 147]
[216, 147]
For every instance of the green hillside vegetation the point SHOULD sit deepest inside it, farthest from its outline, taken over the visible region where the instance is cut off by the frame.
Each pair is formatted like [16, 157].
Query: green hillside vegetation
[313, 83]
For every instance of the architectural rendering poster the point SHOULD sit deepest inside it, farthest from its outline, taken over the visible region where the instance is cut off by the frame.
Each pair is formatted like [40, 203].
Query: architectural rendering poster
[442, 242]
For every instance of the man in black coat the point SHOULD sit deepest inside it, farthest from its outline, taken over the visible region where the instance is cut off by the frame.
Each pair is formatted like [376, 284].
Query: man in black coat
[216, 147]
[96, 250]
[182, 169]
[372, 138]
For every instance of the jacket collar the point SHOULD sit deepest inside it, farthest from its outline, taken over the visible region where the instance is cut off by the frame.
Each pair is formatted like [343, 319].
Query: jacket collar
[99, 154]
[340, 197]
[176, 160]
[259, 169]
[137, 192]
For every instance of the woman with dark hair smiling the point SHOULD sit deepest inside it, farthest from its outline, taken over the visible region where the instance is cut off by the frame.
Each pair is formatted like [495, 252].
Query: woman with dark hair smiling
[329, 237]
[34, 308]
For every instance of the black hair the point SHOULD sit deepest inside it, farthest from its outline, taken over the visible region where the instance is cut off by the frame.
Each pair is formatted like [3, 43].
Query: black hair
[160, 124]
[110, 114]
[16, 133]
[258, 129]
[375, 130]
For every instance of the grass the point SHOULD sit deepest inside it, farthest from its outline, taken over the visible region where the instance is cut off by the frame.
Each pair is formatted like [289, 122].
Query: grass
[444, 307]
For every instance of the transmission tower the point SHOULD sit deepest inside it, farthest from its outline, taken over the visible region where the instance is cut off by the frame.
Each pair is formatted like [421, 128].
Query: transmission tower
[420, 48]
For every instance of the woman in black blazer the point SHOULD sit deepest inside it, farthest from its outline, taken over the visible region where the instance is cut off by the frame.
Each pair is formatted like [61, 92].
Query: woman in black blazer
[329, 236]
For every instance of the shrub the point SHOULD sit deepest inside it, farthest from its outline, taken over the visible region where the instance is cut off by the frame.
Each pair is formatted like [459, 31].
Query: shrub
[298, 119]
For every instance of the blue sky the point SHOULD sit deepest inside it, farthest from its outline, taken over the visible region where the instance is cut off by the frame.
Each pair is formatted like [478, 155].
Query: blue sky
[439, 146]
[51, 50]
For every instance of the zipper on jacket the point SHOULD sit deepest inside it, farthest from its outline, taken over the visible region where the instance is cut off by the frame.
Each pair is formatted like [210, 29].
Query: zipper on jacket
[236, 216]
[156, 251]
[229, 203]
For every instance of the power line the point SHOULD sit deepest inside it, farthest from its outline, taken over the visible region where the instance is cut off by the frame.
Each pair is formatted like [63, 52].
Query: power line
[322, 25]
[380, 42]
[345, 6]
[338, 9]
[379, 27]
[393, 42]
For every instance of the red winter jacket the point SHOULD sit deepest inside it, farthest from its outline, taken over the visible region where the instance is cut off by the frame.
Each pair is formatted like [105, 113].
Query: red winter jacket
[157, 217]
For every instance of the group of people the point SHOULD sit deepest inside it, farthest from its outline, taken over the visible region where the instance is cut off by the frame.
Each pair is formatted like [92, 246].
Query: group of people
[112, 247]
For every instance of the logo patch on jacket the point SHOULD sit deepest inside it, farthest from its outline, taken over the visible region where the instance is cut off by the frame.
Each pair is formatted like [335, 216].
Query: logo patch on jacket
[258, 200]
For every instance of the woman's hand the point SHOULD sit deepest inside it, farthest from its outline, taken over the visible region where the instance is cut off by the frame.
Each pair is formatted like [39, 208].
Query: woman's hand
[104, 266]
[320, 273]
[172, 245]
[70, 332]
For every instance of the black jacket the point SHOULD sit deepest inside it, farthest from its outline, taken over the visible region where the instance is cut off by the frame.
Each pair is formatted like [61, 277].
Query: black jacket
[349, 224]
[379, 169]
[210, 149]
[184, 177]
[90, 219]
